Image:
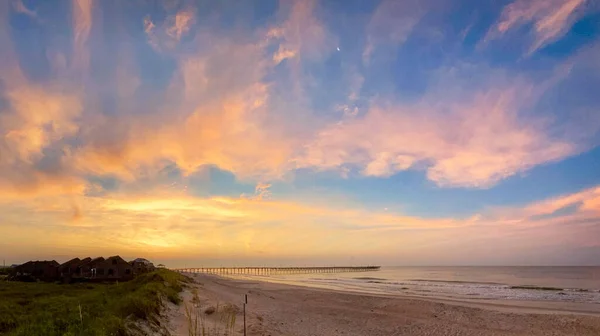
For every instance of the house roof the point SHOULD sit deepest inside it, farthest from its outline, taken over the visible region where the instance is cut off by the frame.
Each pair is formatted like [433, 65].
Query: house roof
[141, 260]
[118, 259]
[72, 262]
[91, 262]
[38, 263]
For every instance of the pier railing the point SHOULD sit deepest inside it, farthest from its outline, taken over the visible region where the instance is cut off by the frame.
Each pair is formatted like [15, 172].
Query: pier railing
[276, 270]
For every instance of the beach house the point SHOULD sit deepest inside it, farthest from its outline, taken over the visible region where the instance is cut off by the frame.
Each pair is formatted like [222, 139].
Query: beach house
[111, 268]
[141, 265]
[72, 269]
[46, 270]
[87, 269]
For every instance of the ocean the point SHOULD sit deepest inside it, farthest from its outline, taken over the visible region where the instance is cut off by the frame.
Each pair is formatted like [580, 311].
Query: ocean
[561, 284]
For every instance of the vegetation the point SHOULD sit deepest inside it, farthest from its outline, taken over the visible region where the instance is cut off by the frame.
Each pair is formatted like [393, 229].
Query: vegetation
[85, 309]
[223, 323]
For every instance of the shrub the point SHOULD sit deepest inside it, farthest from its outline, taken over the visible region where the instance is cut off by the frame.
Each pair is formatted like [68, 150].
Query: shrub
[84, 309]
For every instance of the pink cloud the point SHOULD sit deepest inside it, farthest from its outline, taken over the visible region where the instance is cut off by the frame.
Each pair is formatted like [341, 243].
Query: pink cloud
[550, 18]
[181, 23]
[82, 25]
[302, 34]
[225, 123]
[475, 142]
[19, 7]
[587, 201]
[165, 35]
[391, 24]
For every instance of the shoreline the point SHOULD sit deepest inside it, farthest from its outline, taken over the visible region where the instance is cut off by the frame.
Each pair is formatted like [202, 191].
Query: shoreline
[507, 305]
[281, 309]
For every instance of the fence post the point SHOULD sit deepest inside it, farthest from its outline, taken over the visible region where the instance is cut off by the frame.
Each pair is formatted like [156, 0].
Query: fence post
[245, 302]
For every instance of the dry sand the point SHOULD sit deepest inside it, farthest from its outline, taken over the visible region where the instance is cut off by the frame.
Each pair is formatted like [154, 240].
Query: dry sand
[276, 309]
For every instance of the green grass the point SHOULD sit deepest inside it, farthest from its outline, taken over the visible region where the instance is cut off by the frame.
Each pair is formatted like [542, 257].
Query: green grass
[84, 309]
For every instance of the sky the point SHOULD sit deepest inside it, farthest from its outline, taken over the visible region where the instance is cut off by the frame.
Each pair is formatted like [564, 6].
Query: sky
[391, 132]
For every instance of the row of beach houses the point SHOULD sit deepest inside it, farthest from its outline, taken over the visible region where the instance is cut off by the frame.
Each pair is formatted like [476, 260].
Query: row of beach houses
[112, 268]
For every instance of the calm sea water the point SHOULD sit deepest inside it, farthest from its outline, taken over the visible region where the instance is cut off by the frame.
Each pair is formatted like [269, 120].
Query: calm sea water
[571, 284]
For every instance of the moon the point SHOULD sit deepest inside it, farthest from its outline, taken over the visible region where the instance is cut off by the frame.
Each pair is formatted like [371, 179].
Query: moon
[338, 48]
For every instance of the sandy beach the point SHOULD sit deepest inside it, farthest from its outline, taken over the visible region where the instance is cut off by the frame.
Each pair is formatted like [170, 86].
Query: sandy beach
[278, 309]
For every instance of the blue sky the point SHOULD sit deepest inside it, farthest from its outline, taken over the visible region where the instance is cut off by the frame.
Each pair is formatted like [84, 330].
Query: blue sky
[395, 132]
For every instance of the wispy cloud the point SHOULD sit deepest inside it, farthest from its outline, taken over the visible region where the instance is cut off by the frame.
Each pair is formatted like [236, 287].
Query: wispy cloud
[391, 24]
[222, 124]
[32, 130]
[82, 25]
[181, 23]
[176, 224]
[301, 34]
[165, 35]
[96, 152]
[550, 19]
[21, 8]
[474, 141]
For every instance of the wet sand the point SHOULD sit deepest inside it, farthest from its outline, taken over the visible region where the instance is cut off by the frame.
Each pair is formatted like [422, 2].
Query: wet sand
[277, 310]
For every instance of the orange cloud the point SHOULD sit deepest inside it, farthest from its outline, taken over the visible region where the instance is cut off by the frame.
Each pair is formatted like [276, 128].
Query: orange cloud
[37, 120]
[262, 191]
[170, 223]
[551, 19]
[228, 123]
[586, 200]
[181, 24]
[165, 36]
[178, 224]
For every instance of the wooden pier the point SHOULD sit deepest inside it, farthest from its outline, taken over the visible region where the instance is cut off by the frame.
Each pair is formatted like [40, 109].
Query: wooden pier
[276, 270]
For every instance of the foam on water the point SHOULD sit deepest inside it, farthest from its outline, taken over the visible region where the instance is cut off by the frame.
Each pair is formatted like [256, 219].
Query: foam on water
[506, 285]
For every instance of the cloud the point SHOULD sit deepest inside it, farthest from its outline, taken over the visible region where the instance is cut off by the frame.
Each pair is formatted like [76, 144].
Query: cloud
[586, 201]
[391, 24]
[165, 35]
[32, 127]
[177, 223]
[263, 103]
[227, 123]
[550, 19]
[302, 34]
[19, 7]
[472, 140]
[172, 223]
[82, 25]
[180, 24]
[262, 191]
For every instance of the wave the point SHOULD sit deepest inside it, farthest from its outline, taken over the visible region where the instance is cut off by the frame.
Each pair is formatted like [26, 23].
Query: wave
[369, 278]
[458, 281]
[543, 288]
[547, 288]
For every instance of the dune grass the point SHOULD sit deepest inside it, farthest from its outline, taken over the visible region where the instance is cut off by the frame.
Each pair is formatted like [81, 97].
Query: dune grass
[222, 322]
[84, 309]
